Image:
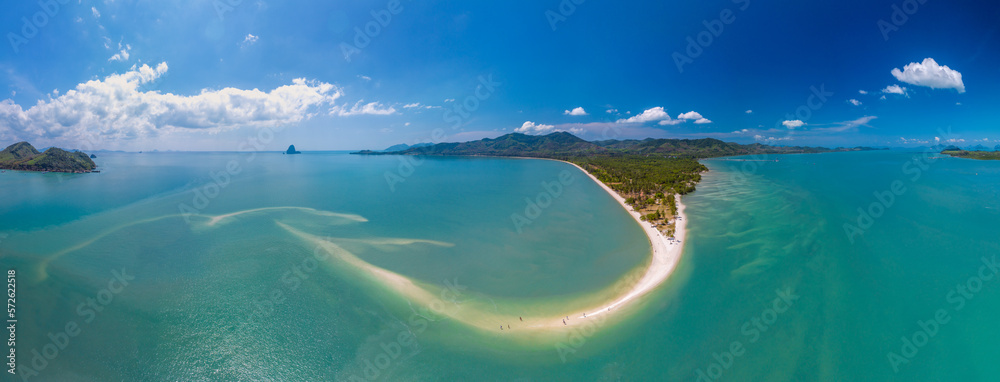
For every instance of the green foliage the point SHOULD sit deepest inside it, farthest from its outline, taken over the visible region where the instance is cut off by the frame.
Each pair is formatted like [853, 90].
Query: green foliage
[646, 175]
[981, 155]
[23, 156]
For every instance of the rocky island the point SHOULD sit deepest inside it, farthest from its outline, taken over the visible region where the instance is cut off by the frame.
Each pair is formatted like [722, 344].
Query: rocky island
[24, 157]
[291, 150]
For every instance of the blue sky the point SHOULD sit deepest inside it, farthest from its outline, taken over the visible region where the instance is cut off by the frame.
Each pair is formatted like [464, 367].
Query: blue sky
[216, 74]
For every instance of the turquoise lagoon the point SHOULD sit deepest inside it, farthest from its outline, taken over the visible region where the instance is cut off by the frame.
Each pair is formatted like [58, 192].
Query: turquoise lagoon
[220, 288]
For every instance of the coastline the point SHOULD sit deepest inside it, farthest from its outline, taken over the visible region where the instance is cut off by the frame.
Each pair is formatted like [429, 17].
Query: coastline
[666, 253]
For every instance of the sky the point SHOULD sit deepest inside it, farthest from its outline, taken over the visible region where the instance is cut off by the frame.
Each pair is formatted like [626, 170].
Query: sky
[225, 75]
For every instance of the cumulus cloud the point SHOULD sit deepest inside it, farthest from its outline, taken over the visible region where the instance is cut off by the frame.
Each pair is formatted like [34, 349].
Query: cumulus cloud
[702, 121]
[749, 112]
[654, 114]
[690, 115]
[611, 111]
[361, 108]
[95, 12]
[793, 124]
[862, 92]
[854, 102]
[123, 53]
[534, 128]
[894, 89]
[928, 73]
[576, 112]
[117, 107]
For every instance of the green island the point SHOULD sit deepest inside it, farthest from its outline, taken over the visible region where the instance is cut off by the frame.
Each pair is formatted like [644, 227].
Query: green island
[22, 156]
[647, 173]
[980, 155]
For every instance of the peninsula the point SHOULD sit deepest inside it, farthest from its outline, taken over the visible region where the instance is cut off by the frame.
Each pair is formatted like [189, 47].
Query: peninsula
[647, 177]
[23, 156]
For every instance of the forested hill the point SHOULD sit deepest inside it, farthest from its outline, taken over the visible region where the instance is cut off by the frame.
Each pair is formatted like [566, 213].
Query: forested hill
[23, 156]
[563, 145]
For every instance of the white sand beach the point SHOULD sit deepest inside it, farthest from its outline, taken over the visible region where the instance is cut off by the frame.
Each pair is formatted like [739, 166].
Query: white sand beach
[666, 253]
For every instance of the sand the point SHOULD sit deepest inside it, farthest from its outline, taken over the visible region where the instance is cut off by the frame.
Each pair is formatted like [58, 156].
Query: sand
[666, 253]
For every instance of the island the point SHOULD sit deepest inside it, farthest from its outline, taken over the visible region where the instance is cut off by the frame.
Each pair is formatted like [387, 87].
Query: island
[23, 156]
[291, 150]
[646, 177]
[646, 173]
[972, 154]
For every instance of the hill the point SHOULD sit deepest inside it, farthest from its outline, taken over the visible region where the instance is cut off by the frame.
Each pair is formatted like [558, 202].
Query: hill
[565, 145]
[23, 156]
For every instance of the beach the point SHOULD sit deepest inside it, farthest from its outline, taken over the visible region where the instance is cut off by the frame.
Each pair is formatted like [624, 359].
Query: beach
[666, 253]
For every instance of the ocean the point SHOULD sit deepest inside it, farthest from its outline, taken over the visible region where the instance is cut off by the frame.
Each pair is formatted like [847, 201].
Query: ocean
[329, 266]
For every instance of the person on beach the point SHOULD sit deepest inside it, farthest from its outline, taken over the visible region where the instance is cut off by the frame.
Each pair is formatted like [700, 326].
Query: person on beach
[564, 321]
[501, 327]
[519, 318]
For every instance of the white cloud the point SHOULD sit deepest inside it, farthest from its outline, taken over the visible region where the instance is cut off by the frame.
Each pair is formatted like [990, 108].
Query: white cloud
[449, 100]
[250, 39]
[793, 124]
[654, 114]
[854, 102]
[702, 121]
[928, 73]
[611, 111]
[882, 98]
[749, 112]
[863, 121]
[761, 138]
[94, 11]
[894, 89]
[690, 115]
[117, 108]
[122, 54]
[363, 77]
[411, 105]
[361, 108]
[576, 112]
[862, 92]
[532, 128]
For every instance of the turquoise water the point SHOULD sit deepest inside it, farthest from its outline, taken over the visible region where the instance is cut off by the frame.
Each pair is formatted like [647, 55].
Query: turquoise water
[244, 299]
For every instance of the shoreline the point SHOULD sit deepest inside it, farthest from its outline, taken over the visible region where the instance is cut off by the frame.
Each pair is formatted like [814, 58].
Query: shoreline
[666, 254]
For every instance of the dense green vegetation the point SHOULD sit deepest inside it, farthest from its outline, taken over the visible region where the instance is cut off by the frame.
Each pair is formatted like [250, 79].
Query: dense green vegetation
[981, 155]
[562, 145]
[643, 175]
[23, 156]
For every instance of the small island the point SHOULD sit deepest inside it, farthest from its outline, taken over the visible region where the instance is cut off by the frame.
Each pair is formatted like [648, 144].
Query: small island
[972, 154]
[291, 150]
[23, 156]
